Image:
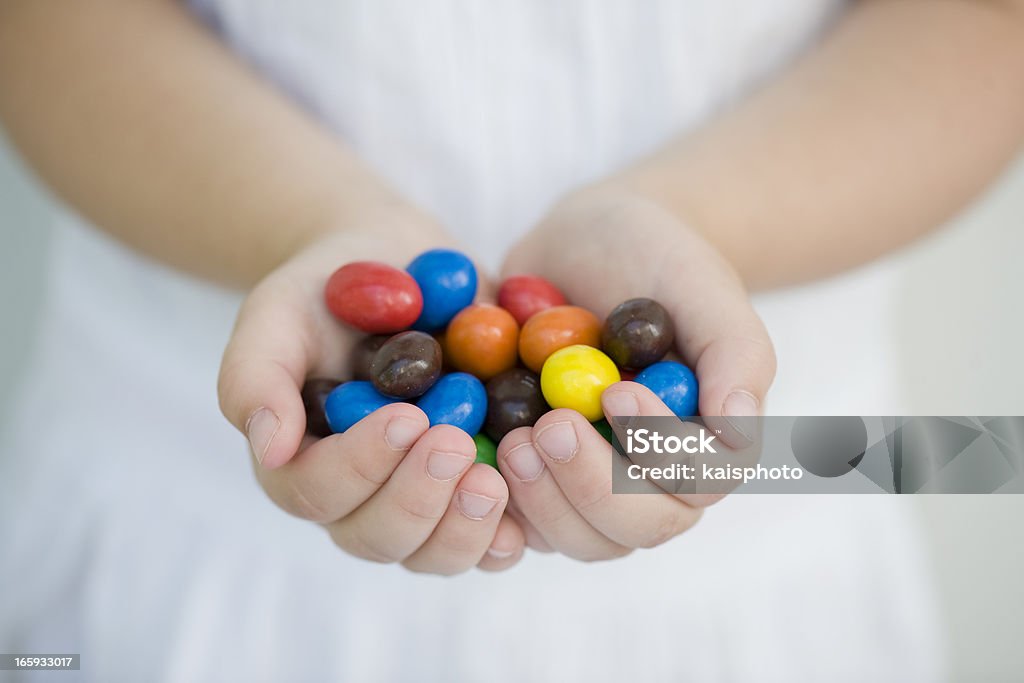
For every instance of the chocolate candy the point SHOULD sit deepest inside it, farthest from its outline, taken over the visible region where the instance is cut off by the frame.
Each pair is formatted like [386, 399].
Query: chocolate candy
[351, 402]
[314, 396]
[525, 295]
[482, 340]
[406, 365]
[514, 399]
[373, 297]
[637, 333]
[458, 399]
[448, 282]
[556, 328]
[674, 383]
[486, 450]
[575, 377]
[361, 356]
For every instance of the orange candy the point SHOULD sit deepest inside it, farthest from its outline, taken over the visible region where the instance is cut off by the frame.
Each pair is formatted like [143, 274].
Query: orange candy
[482, 340]
[555, 328]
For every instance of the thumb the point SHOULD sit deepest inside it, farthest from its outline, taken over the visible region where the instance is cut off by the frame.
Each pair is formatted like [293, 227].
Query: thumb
[261, 377]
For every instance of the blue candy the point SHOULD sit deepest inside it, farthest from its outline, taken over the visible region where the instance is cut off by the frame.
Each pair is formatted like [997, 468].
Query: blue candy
[447, 280]
[350, 402]
[674, 384]
[458, 399]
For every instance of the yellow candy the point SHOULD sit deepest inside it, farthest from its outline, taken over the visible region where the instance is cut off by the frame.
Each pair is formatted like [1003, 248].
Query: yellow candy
[575, 376]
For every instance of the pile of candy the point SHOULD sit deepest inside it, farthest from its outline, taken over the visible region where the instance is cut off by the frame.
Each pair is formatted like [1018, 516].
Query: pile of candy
[483, 368]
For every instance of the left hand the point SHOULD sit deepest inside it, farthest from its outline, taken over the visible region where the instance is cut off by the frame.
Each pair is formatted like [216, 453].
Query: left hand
[601, 247]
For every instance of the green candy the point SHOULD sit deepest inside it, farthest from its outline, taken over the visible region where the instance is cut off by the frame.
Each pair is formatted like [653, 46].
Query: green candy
[604, 429]
[486, 450]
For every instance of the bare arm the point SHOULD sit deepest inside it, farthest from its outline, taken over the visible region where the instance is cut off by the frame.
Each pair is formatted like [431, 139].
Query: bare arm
[903, 115]
[155, 132]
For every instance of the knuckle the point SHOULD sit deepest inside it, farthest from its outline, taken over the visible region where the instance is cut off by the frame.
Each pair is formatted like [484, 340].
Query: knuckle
[301, 501]
[549, 516]
[592, 495]
[361, 470]
[600, 553]
[668, 527]
[448, 568]
[357, 543]
[420, 509]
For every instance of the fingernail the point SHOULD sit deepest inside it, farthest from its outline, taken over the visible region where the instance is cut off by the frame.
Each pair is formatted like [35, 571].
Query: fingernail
[524, 462]
[260, 429]
[558, 441]
[621, 404]
[402, 432]
[738, 409]
[444, 466]
[475, 506]
[500, 554]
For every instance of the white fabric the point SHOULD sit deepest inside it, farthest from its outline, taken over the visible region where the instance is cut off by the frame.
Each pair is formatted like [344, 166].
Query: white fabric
[132, 530]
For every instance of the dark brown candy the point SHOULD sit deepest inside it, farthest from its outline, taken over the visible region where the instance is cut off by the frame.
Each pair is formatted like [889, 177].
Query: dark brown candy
[361, 357]
[314, 393]
[514, 399]
[637, 333]
[406, 365]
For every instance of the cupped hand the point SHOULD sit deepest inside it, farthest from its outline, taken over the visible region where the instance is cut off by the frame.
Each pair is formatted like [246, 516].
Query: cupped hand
[391, 488]
[601, 247]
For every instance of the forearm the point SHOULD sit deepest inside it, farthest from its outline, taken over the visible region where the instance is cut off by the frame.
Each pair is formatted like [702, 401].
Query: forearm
[154, 131]
[897, 120]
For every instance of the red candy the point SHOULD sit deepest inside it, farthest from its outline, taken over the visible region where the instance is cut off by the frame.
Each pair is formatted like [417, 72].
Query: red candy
[374, 297]
[524, 295]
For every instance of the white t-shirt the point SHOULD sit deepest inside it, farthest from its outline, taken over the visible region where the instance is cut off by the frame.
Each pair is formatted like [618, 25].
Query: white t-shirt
[132, 528]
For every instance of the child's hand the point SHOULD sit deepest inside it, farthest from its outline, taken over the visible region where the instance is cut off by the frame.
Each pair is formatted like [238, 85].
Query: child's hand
[390, 489]
[601, 248]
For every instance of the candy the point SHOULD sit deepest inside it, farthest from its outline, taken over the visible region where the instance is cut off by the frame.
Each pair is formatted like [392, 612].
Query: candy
[457, 399]
[373, 297]
[575, 377]
[406, 365]
[637, 333]
[486, 450]
[674, 384]
[351, 402]
[525, 295]
[448, 282]
[556, 328]
[314, 395]
[514, 399]
[604, 429]
[482, 339]
[361, 357]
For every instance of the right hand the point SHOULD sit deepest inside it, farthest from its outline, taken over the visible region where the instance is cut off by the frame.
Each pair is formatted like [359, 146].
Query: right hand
[391, 488]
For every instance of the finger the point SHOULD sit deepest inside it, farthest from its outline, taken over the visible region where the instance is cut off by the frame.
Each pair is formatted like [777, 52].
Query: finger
[534, 539]
[334, 476]
[507, 547]
[262, 372]
[468, 527]
[402, 515]
[540, 500]
[626, 400]
[581, 462]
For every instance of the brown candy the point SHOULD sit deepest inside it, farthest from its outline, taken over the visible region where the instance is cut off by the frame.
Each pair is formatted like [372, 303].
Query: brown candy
[314, 394]
[637, 333]
[406, 365]
[514, 399]
[361, 356]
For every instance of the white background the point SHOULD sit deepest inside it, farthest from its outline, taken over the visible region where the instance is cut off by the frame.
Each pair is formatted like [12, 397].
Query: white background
[962, 343]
